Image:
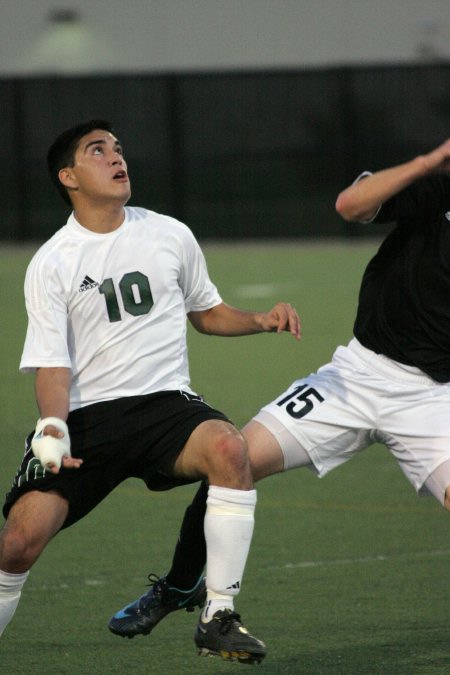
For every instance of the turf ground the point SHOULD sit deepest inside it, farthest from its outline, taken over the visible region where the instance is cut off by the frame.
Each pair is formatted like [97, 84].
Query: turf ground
[346, 575]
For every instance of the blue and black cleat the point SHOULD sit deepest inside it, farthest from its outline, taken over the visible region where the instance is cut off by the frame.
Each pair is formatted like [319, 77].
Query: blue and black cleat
[141, 616]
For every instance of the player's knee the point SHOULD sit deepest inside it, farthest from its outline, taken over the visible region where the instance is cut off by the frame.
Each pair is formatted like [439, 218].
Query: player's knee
[230, 449]
[17, 552]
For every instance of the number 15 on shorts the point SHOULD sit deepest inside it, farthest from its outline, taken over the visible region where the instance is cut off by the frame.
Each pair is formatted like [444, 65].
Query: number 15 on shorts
[300, 401]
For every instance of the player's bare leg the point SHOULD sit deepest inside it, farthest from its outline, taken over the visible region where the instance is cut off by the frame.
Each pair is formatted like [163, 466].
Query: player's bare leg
[217, 450]
[32, 522]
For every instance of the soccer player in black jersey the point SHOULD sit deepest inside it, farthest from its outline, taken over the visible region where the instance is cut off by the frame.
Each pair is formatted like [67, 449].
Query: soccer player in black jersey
[390, 384]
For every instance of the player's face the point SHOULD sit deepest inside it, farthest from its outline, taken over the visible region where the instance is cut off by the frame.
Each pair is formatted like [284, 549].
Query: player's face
[100, 171]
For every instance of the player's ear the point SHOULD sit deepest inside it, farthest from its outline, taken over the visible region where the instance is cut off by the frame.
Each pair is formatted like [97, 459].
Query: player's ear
[67, 177]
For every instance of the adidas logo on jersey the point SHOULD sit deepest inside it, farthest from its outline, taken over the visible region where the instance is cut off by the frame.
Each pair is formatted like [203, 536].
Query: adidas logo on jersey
[87, 284]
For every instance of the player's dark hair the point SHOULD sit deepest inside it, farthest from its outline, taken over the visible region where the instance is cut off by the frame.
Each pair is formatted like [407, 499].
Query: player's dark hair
[62, 151]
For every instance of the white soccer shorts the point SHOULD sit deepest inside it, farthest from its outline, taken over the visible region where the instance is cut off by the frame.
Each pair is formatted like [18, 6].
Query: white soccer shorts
[358, 399]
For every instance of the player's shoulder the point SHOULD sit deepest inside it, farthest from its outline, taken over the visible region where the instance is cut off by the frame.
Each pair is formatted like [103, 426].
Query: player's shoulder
[147, 219]
[430, 195]
[52, 252]
[440, 182]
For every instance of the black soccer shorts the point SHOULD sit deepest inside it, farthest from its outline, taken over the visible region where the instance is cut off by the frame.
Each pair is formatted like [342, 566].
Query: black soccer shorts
[133, 437]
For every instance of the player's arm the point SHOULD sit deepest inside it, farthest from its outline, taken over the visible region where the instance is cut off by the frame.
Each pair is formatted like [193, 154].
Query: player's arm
[229, 321]
[361, 200]
[52, 387]
[51, 443]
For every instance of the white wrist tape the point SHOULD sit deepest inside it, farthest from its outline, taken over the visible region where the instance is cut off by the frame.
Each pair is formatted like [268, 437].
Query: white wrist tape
[47, 449]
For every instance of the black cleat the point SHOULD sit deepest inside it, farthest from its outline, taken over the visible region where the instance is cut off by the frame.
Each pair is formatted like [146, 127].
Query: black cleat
[225, 636]
[141, 616]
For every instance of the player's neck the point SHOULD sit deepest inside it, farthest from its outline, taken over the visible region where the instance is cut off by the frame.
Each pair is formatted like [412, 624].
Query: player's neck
[101, 218]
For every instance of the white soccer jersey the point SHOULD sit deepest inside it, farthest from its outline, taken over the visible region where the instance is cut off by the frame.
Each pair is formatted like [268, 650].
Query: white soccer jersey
[112, 307]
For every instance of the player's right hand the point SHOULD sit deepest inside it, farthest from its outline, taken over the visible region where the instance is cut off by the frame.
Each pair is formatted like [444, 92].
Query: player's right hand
[51, 445]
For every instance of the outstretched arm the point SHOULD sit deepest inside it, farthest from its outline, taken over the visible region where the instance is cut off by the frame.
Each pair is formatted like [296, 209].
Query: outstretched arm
[229, 321]
[360, 201]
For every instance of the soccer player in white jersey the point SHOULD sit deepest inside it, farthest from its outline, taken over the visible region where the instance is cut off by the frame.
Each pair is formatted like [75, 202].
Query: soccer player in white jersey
[390, 385]
[107, 298]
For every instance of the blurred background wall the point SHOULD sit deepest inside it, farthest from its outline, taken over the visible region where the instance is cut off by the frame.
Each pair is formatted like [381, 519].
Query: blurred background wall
[243, 118]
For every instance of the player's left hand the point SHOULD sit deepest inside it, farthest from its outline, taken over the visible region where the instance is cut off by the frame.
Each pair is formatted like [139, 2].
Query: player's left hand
[283, 317]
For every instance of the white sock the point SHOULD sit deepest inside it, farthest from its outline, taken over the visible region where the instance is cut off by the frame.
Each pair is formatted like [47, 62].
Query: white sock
[10, 590]
[229, 522]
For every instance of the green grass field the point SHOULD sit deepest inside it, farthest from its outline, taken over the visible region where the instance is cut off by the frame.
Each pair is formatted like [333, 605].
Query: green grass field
[346, 575]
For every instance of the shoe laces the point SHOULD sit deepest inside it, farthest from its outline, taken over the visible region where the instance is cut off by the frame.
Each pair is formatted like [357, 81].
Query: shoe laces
[159, 584]
[153, 579]
[227, 621]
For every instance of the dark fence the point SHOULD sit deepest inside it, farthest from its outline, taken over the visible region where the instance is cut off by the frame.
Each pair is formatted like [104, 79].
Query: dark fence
[242, 155]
